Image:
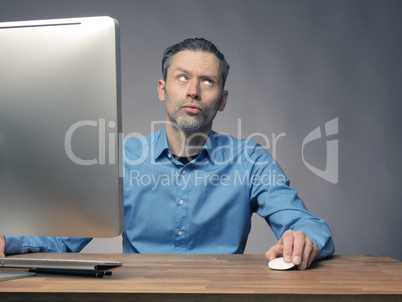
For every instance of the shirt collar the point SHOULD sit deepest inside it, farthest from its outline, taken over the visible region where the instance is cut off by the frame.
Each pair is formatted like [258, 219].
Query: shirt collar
[160, 143]
[162, 147]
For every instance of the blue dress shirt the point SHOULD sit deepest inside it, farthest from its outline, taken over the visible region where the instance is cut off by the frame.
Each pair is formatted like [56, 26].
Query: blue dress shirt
[204, 206]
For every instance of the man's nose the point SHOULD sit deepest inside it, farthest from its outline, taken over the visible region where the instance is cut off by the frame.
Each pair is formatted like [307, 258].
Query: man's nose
[193, 91]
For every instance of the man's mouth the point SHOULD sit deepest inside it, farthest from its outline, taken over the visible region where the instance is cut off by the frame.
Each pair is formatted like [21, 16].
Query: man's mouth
[192, 109]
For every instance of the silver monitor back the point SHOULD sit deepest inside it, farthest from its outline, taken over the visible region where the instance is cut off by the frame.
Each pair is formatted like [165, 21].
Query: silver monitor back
[60, 119]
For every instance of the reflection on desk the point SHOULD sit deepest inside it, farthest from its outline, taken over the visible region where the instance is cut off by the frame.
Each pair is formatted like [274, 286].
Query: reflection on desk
[215, 278]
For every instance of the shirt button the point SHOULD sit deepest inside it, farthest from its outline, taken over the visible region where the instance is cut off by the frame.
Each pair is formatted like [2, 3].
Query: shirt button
[180, 233]
[184, 172]
[181, 201]
[170, 155]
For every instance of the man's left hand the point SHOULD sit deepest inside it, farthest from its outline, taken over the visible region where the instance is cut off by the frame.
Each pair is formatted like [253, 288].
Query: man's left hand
[2, 246]
[294, 247]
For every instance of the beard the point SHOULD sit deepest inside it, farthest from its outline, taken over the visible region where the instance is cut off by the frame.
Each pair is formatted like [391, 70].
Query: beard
[187, 121]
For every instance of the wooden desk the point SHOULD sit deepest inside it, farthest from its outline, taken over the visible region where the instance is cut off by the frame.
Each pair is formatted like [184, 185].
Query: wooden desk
[215, 278]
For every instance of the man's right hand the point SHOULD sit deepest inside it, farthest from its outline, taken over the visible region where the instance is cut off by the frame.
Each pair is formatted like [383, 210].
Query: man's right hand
[2, 246]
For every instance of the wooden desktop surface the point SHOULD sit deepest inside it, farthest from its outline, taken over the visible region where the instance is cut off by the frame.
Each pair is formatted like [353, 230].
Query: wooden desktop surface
[214, 278]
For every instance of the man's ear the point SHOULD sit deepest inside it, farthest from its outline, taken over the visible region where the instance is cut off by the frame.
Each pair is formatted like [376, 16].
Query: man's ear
[223, 100]
[161, 90]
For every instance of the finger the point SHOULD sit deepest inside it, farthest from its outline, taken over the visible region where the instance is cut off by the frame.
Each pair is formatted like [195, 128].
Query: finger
[287, 239]
[311, 253]
[299, 243]
[307, 254]
[314, 254]
[274, 252]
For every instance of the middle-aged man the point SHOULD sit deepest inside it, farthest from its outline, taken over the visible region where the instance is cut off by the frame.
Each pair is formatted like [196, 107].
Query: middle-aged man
[188, 189]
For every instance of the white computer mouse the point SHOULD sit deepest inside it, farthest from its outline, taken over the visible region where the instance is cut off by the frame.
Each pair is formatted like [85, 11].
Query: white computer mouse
[280, 264]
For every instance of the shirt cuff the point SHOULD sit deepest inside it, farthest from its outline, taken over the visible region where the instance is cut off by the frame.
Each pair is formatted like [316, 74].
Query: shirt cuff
[13, 245]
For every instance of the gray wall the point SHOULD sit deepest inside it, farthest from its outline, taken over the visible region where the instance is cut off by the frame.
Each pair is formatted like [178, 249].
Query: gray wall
[295, 65]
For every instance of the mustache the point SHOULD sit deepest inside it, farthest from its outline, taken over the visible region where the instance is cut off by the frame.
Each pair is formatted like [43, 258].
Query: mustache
[193, 103]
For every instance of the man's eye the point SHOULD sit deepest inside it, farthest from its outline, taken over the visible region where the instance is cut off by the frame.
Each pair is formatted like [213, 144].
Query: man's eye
[209, 82]
[183, 78]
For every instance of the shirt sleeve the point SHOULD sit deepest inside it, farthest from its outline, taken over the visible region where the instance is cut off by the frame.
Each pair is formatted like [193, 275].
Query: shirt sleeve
[33, 244]
[273, 199]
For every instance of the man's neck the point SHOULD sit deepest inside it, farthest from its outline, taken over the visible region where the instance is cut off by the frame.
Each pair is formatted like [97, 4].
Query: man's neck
[186, 143]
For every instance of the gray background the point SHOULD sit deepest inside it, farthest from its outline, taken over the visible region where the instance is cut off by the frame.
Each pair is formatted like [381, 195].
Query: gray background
[295, 65]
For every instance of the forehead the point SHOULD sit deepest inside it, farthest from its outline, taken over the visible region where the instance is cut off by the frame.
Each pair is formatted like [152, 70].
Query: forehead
[197, 62]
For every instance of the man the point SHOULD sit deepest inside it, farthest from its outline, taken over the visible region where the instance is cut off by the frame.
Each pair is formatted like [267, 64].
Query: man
[188, 189]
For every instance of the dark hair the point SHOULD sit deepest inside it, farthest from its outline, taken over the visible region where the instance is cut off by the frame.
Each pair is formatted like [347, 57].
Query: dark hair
[195, 44]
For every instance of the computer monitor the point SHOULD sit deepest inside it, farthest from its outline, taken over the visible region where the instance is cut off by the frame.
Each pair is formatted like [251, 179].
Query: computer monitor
[60, 120]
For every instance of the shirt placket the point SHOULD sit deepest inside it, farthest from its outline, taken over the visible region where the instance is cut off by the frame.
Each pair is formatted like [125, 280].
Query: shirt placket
[182, 188]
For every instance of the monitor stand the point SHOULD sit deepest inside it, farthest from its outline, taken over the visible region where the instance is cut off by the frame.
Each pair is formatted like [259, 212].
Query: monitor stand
[10, 275]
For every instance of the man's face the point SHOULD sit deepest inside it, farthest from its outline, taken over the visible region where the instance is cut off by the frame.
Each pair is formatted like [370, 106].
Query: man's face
[193, 90]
